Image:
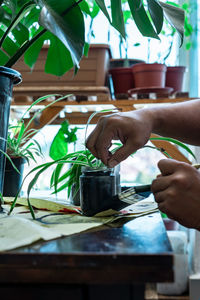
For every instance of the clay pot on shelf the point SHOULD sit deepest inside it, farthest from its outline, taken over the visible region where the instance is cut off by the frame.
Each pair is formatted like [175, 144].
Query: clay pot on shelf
[175, 77]
[121, 72]
[122, 79]
[149, 75]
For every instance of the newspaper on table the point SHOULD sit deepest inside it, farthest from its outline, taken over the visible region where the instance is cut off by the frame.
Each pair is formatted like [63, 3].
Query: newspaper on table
[54, 220]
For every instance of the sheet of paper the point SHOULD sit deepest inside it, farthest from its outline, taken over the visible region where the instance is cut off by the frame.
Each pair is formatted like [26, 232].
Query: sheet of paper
[54, 220]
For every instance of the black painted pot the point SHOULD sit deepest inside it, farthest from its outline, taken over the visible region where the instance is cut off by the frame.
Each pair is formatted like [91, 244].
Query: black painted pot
[96, 190]
[12, 179]
[8, 77]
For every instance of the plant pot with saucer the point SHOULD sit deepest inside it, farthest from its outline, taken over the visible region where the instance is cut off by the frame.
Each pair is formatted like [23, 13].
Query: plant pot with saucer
[149, 75]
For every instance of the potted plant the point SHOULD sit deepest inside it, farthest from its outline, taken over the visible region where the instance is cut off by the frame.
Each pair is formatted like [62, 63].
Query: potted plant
[123, 80]
[18, 34]
[21, 148]
[174, 73]
[93, 173]
[25, 25]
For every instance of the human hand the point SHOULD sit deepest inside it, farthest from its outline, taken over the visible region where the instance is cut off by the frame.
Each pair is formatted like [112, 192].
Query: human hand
[132, 128]
[177, 192]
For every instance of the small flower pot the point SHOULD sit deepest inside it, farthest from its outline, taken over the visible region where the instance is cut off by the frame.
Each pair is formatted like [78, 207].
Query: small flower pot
[175, 77]
[96, 190]
[12, 179]
[8, 77]
[122, 79]
[149, 75]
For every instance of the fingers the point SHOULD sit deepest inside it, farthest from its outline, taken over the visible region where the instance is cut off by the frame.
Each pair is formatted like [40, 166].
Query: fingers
[167, 166]
[160, 184]
[99, 142]
[91, 140]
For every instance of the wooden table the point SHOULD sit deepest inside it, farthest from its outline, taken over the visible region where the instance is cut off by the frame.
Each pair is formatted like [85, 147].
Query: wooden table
[111, 263]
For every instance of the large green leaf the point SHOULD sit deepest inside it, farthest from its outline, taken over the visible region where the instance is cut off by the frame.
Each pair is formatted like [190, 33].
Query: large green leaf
[141, 19]
[56, 151]
[9, 46]
[66, 23]
[101, 4]
[59, 59]
[175, 16]
[31, 55]
[156, 14]
[117, 16]
[3, 58]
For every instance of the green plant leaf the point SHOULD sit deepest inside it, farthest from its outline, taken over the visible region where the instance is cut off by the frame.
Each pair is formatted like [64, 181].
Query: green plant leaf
[65, 23]
[23, 11]
[141, 19]
[117, 16]
[59, 59]
[176, 142]
[101, 4]
[156, 14]
[58, 147]
[31, 55]
[175, 16]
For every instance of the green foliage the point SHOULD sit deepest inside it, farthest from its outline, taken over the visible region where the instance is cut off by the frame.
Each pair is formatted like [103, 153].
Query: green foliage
[26, 25]
[64, 136]
[20, 141]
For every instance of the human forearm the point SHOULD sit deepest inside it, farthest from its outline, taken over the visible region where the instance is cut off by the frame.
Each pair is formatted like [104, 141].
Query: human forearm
[180, 121]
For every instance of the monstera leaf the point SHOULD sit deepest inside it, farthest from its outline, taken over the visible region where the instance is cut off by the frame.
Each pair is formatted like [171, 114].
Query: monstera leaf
[66, 23]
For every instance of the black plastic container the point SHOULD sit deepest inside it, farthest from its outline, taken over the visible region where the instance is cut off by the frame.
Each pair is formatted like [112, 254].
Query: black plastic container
[8, 77]
[96, 190]
[12, 179]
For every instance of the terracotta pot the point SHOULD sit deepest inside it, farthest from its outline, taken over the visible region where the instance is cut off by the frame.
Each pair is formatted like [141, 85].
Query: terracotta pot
[122, 79]
[174, 77]
[148, 75]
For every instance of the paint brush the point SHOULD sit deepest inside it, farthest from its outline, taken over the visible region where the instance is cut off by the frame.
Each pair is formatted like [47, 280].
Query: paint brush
[133, 195]
[130, 196]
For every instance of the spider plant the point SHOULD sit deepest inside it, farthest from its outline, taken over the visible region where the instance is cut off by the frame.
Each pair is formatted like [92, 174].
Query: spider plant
[77, 160]
[20, 141]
